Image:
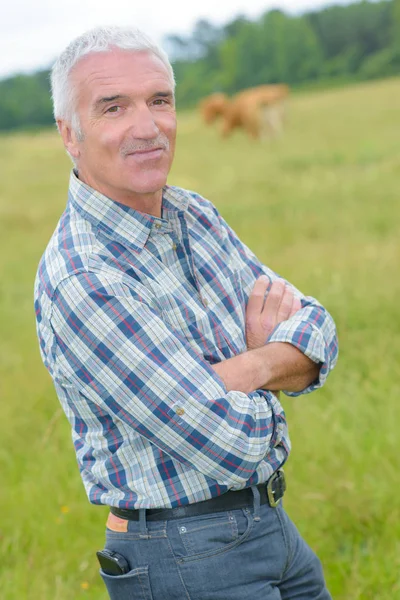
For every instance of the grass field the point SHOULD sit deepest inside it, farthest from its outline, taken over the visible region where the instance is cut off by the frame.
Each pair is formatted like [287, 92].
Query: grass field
[321, 207]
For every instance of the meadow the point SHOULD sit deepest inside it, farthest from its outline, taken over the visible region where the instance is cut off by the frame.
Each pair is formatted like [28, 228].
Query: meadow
[321, 207]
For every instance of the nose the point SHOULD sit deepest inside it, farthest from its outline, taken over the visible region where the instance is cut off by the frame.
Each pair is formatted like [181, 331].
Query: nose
[144, 126]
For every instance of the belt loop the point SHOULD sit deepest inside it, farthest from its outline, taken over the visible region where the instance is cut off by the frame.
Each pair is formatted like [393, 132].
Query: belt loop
[143, 531]
[256, 495]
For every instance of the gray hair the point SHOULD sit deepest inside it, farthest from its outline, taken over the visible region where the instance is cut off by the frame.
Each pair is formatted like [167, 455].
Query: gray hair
[99, 39]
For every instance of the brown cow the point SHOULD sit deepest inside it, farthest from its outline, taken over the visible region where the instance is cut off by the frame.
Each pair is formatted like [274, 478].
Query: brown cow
[213, 106]
[259, 110]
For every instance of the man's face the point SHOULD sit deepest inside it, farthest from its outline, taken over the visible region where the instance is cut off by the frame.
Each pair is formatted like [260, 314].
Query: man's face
[126, 109]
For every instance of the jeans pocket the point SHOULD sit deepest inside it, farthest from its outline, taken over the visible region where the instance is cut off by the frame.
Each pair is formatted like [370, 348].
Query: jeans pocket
[134, 585]
[209, 535]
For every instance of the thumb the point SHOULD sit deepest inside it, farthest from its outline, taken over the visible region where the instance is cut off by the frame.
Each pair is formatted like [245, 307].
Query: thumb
[295, 306]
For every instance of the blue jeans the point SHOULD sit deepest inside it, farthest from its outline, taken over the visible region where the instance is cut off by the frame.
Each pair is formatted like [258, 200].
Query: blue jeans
[255, 553]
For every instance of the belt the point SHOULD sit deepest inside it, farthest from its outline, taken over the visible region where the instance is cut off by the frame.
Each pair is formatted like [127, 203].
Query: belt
[271, 492]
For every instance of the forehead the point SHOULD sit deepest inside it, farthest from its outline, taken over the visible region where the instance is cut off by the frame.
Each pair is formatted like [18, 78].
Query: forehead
[119, 71]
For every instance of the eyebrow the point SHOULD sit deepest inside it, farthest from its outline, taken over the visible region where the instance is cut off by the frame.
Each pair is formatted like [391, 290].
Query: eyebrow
[163, 94]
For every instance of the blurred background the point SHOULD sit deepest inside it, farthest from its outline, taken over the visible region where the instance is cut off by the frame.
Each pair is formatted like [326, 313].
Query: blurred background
[318, 203]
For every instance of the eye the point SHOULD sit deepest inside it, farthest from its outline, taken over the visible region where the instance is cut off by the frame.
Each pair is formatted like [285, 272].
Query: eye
[160, 101]
[113, 109]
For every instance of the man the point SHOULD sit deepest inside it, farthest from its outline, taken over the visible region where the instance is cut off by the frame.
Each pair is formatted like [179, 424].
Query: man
[166, 338]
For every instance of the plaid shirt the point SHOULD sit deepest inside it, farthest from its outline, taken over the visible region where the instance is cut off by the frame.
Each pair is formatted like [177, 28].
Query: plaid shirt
[132, 310]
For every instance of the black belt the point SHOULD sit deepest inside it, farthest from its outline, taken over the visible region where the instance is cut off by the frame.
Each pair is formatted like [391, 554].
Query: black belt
[271, 492]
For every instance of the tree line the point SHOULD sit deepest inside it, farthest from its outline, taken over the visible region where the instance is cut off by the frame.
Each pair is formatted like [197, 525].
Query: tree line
[354, 42]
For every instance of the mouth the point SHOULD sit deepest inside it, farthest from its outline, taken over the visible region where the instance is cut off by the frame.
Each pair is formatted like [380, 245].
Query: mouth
[143, 155]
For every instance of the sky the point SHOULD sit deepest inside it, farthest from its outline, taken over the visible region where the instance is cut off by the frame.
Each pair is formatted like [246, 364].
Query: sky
[34, 32]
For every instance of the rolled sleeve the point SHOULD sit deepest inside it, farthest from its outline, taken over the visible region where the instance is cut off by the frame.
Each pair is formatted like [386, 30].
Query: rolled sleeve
[312, 331]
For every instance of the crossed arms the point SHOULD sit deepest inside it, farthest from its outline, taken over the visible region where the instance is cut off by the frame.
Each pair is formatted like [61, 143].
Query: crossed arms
[274, 366]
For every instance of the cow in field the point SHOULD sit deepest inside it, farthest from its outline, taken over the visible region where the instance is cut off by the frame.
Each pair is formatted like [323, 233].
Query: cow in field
[258, 110]
[213, 106]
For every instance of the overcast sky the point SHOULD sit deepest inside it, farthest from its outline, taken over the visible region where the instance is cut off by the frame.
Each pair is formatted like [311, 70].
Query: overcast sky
[33, 32]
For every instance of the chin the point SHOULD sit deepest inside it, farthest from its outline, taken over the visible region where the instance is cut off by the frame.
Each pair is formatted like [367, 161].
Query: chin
[150, 185]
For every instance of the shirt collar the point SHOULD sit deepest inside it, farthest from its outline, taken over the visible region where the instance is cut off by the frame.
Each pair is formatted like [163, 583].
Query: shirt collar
[118, 221]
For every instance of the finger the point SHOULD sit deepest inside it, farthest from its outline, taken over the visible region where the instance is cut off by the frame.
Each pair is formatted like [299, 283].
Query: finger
[272, 303]
[285, 305]
[295, 306]
[256, 299]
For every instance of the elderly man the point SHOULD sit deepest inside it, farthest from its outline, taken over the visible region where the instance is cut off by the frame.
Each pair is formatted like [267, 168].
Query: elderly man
[166, 339]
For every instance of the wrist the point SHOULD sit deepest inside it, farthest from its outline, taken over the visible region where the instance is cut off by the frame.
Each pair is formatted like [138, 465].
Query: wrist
[260, 368]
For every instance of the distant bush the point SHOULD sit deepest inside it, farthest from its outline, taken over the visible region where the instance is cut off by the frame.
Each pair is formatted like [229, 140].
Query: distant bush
[381, 64]
[25, 101]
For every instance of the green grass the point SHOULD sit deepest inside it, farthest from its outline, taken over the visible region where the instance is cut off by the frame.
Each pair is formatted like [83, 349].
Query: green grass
[320, 206]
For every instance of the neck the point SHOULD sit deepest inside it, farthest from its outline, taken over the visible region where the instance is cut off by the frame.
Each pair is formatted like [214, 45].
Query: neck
[149, 203]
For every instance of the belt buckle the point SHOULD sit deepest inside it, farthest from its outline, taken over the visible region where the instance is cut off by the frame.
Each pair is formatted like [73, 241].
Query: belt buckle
[277, 478]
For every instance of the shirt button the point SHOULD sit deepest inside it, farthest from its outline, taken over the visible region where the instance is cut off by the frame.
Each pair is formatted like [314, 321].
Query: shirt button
[180, 411]
[173, 246]
[157, 225]
[205, 301]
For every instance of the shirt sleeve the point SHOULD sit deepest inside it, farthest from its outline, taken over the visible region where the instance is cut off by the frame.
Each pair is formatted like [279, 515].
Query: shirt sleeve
[119, 353]
[311, 330]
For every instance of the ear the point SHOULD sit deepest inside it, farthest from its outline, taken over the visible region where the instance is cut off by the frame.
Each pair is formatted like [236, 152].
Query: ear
[69, 137]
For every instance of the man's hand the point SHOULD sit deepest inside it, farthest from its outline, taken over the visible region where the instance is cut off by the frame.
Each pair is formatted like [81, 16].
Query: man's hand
[275, 366]
[262, 317]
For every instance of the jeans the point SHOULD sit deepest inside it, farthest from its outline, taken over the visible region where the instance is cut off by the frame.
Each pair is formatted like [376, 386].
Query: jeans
[254, 553]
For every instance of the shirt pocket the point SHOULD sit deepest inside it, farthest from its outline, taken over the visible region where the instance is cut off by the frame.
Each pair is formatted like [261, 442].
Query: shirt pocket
[191, 322]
